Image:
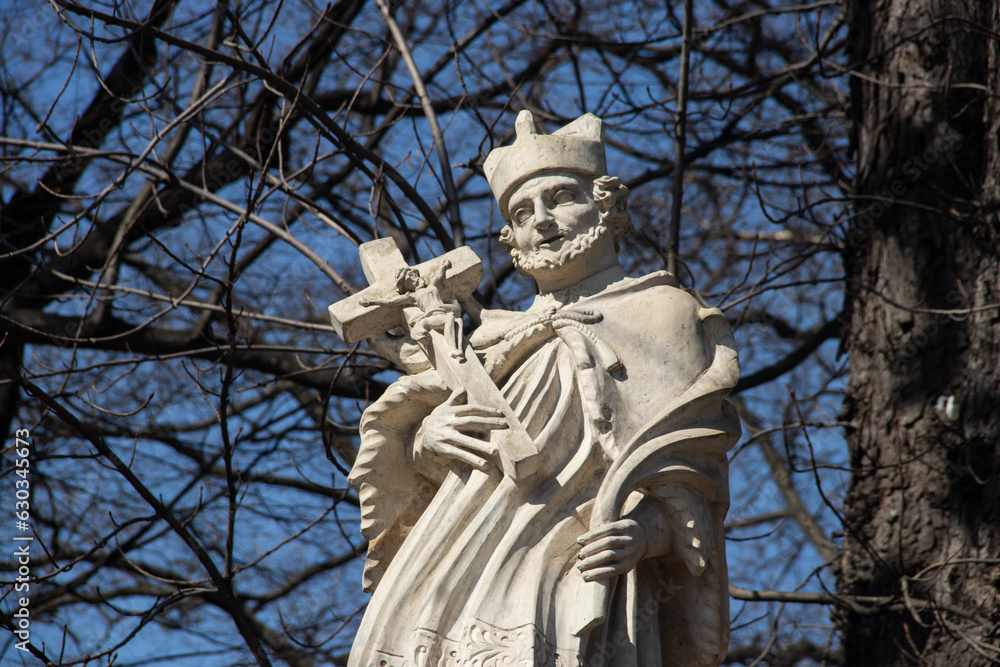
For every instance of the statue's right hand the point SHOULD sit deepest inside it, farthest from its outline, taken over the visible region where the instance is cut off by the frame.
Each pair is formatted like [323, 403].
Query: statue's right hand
[462, 431]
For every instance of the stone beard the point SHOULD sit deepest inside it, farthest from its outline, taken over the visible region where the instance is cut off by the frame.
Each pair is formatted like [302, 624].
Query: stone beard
[620, 383]
[529, 262]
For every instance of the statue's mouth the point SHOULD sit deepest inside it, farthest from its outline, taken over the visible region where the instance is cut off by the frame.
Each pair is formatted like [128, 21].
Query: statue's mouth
[552, 240]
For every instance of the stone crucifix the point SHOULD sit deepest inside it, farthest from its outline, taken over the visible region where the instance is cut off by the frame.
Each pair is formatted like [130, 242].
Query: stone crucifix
[389, 302]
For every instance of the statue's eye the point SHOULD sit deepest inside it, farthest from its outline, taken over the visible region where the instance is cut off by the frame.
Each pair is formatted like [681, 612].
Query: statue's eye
[521, 215]
[564, 196]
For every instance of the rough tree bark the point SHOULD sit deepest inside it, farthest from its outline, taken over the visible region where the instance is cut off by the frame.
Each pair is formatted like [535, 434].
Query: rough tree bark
[922, 516]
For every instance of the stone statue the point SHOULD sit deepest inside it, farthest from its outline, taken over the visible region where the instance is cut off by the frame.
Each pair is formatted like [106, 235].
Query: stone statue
[551, 491]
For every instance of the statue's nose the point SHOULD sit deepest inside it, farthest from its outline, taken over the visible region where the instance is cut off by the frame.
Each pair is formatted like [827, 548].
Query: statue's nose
[543, 218]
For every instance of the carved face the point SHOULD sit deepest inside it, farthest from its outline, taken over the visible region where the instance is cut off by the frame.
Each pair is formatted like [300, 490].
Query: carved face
[408, 280]
[555, 221]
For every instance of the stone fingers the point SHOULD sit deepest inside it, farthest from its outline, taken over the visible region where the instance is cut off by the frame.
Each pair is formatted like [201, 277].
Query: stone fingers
[619, 556]
[611, 550]
[622, 526]
[459, 454]
[606, 572]
[480, 423]
[470, 443]
[611, 544]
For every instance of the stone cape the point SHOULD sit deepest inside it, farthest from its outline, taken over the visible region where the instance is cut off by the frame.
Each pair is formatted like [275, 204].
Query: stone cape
[473, 568]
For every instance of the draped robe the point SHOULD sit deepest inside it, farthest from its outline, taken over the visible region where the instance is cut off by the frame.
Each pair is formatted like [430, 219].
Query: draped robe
[621, 383]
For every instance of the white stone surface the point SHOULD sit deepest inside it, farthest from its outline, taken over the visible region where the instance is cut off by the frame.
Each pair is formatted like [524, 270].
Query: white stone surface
[597, 541]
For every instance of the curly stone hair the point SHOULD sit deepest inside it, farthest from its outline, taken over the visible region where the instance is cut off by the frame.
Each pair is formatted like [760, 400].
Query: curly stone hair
[611, 198]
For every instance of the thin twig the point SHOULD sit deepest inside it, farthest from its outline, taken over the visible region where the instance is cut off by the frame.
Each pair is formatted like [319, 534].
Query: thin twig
[425, 102]
[680, 140]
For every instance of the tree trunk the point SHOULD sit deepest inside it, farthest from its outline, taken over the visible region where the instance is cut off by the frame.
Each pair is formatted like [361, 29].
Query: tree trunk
[922, 516]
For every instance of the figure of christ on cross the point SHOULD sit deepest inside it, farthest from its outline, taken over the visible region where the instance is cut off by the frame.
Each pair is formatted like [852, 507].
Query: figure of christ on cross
[435, 313]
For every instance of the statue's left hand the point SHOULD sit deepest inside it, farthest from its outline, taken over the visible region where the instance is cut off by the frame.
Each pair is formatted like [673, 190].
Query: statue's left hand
[612, 550]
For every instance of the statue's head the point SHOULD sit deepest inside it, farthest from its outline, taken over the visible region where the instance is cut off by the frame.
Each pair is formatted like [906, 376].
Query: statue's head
[554, 193]
[408, 280]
